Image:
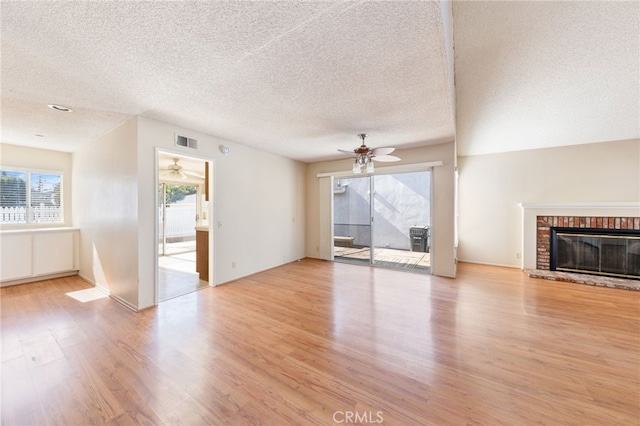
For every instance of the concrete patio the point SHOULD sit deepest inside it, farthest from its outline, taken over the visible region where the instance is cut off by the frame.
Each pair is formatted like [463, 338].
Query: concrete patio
[391, 258]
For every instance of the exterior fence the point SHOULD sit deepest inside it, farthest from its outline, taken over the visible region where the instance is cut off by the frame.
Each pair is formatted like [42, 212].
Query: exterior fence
[36, 214]
[180, 220]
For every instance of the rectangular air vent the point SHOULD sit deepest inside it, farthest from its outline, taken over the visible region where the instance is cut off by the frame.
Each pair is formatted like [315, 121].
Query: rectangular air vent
[186, 142]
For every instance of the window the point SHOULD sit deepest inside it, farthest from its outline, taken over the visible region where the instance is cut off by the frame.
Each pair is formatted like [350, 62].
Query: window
[30, 197]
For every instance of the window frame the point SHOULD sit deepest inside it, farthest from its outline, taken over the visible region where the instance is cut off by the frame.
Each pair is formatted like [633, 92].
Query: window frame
[28, 208]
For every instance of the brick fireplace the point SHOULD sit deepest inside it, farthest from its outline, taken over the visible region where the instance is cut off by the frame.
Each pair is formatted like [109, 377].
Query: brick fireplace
[545, 223]
[537, 219]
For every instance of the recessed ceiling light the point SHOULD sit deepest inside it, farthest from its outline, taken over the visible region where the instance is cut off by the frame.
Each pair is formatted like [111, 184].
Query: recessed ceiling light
[60, 108]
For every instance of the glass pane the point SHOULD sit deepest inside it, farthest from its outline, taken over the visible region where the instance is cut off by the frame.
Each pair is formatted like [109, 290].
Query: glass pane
[13, 196]
[578, 252]
[352, 219]
[587, 253]
[633, 257]
[614, 255]
[180, 218]
[45, 202]
[402, 220]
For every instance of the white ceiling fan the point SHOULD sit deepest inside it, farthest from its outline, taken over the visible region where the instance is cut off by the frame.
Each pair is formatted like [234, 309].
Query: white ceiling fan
[175, 170]
[364, 156]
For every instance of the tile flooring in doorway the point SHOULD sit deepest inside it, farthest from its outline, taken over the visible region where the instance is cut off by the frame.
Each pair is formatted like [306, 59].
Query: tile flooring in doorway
[177, 276]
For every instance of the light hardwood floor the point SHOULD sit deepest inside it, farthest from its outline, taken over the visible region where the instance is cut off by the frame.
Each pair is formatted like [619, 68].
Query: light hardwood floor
[312, 342]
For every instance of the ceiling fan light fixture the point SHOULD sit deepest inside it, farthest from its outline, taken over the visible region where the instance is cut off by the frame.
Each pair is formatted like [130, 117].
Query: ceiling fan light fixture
[357, 169]
[370, 166]
[364, 156]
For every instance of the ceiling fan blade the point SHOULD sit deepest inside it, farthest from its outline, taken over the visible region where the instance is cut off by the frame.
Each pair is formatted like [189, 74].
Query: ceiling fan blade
[346, 151]
[385, 158]
[181, 174]
[382, 151]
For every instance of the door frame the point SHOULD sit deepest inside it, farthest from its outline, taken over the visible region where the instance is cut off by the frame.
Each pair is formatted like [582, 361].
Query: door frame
[326, 205]
[210, 210]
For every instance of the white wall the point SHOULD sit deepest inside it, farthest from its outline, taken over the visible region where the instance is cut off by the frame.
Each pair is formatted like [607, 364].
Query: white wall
[46, 160]
[492, 186]
[258, 205]
[442, 225]
[258, 202]
[105, 191]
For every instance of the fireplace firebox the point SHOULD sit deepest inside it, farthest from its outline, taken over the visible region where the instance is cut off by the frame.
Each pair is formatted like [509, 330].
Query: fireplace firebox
[610, 252]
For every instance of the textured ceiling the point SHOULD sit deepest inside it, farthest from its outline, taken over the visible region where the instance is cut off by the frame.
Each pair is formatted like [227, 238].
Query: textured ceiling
[542, 74]
[302, 78]
[295, 78]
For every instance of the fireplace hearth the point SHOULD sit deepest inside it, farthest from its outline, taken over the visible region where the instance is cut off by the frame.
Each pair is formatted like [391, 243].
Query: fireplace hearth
[607, 252]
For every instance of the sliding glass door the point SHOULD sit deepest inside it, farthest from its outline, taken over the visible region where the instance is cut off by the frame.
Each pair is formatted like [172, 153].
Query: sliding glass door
[384, 220]
[352, 222]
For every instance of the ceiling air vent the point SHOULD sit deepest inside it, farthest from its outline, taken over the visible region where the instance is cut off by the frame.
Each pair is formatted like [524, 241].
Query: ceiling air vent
[186, 142]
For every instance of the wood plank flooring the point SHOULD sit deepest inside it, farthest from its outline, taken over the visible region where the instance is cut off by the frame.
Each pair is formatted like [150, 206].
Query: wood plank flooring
[318, 343]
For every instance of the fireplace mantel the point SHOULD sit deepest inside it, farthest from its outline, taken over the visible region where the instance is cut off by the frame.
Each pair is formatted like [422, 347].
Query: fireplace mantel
[530, 212]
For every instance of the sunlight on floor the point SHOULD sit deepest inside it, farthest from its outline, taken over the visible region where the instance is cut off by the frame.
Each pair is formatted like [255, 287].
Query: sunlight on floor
[87, 295]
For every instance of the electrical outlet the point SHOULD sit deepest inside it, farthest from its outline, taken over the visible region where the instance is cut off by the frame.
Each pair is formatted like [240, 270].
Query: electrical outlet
[233, 265]
[518, 255]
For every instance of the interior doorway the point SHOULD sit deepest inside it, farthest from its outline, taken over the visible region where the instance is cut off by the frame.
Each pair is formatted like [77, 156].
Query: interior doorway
[183, 209]
[383, 220]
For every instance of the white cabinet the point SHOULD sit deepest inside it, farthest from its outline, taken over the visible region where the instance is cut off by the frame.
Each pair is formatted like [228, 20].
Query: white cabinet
[28, 255]
[15, 251]
[53, 253]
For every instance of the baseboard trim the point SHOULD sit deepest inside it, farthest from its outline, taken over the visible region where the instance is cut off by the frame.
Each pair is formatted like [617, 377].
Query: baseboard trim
[489, 264]
[28, 280]
[124, 302]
